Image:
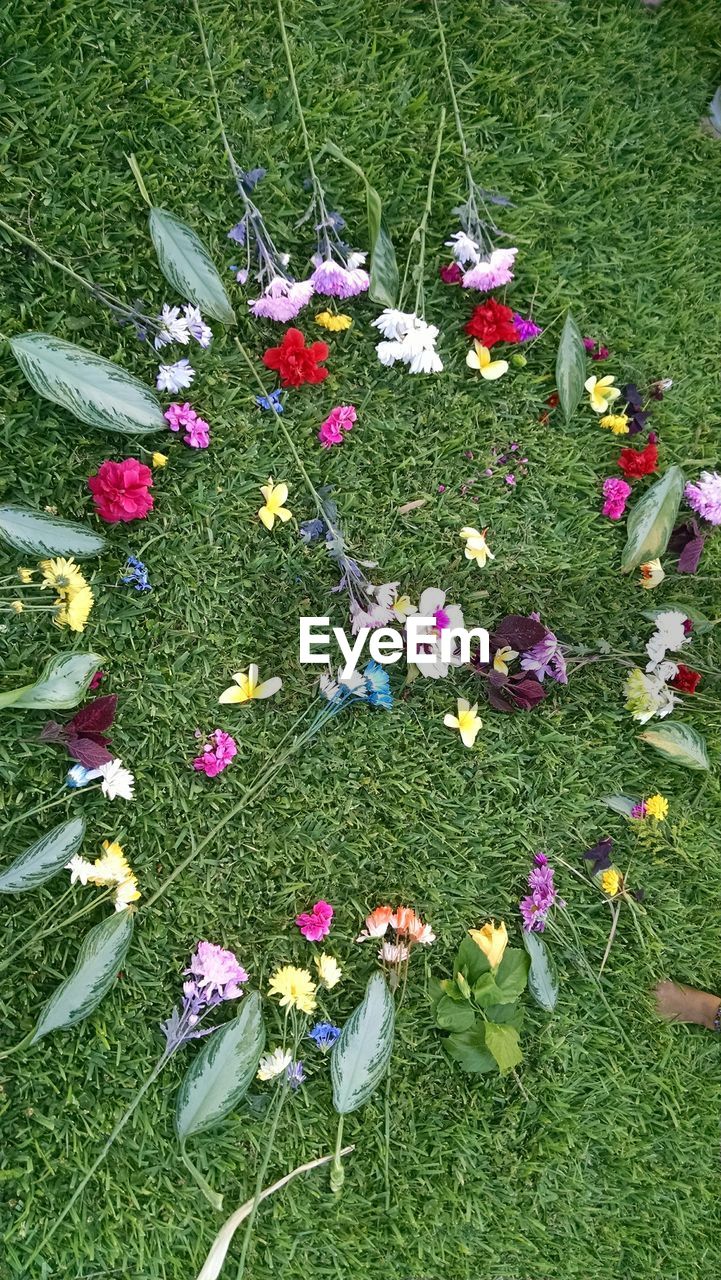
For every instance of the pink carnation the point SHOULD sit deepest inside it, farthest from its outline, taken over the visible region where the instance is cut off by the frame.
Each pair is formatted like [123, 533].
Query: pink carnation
[315, 924]
[616, 494]
[218, 752]
[340, 419]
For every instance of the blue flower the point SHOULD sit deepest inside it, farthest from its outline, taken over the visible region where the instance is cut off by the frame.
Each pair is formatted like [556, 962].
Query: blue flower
[311, 530]
[136, 575]
[324, 1035]
[238, 232]
[295, 1074]
[78, 776]
[378, 685]
[272, 402]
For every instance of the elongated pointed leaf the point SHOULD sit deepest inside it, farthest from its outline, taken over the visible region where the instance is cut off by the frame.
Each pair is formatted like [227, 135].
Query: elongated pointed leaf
[222, 1072]
[542, 980]
[651, 521]
[43, 535]
[384, 268]
[62, 684]
[101, 957]
[186, 264]
[679, 743]
[44, 858]
[361, 1056]
[620, 804]
[570, 367]
[94, 389]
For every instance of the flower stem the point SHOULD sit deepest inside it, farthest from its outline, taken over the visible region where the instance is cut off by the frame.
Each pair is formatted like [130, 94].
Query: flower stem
[387, 1141]
[235, 167]
[58, 797]
[257, 1195]
[299, 107]
[454, 100]
[419, 307]
[337, 1172]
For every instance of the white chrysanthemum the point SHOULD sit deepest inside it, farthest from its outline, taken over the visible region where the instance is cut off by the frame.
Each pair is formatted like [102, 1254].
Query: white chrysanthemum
[116, 781]
[464, 248]
[393, 324]
[274, 1064]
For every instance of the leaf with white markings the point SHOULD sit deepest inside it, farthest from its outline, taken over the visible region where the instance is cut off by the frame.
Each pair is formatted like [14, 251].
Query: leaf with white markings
[383, 266]
[101, 957]
[361, 1056]
[570, 367]
[187, 265]
[94, 389]
[650, 524]
[44, 858]
[40, 534]
[62, 684]
[542, 980]
[222, 1072]
[620, 804]
[679, 743]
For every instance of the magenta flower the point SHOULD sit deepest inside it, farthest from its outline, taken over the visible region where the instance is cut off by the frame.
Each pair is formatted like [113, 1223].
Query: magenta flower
[704, 497]
[535, 907]
[315, 924]
[451, 274]
[526, 328]
[639, 810]
[616, 493]
[218, 752]
[340, 419]
[217, 972]
[197, 431]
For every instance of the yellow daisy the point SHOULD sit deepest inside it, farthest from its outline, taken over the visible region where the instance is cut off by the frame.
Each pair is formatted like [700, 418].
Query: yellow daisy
[295, 987]
[334, 323]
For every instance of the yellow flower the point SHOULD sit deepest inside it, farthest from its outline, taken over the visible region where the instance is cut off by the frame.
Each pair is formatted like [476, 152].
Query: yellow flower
[476, 546]
[601, 392]
[62, 576]
[651, 574]
[159, 459]
[275, 495]
[329, 971]
[112, 868]
[402, 607]
[295, 988]
[493, 940]
[618, 422]
[17, 606]
[502, 657]
[25, 575]
[467, 722]
[126, 893]
[247, 687]
[657, 807]
[336, 324]
[611, 881]
[480, 358]
[76, 609]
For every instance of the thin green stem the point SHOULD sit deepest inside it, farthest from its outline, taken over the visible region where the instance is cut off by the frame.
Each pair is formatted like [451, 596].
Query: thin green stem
[419, 307]
[283, 1093]
[454, 100]
[299, 106]
[387, 1140]
[53, 909]
[62, 793]
[95, 289]
[235, 167]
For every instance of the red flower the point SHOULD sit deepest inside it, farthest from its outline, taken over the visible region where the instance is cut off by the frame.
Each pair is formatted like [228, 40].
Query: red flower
[686, 680]
[492, 323]
[553, 400]
[120, 490]
[295, 362]
[635, 463]
[451, 274]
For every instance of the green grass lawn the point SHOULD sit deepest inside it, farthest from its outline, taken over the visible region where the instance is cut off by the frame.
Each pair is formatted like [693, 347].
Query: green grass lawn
[605, 1162]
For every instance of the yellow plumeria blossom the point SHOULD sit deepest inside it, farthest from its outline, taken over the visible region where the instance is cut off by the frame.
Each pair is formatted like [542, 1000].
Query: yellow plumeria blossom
[112, 869]
[75, 610]
[657, 807]
[295, 987]
[248, 687]
[63, 576]
[334, 323]
[616, 422]
[273, 509]
[601, 392]
[493, 940]
[159, 459]
[467, 722]
[402, 607]
[652, 573]
[480, 358]
[502, 657]
[476, 546]
[25, 575]
[274, 1064]
[611, 881]
[329, 971]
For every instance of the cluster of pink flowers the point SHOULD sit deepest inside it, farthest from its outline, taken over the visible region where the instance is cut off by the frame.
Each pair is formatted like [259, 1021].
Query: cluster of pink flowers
[282, 299]
[616, 492]
[340, 419]
[338, 279]
[197, 430]
[315, 924]
[218, 752]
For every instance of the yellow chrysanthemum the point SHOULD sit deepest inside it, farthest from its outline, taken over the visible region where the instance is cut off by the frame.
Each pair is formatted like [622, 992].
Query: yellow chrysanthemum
[617, 422]
[329, 971]
[657, 807]
[295, 987]
[334, 323]
[25, 575]
[126, 893]
[113, 867]
[159, 459]
[17, 606]
[76, 609]
[611, 881]
[62, 575]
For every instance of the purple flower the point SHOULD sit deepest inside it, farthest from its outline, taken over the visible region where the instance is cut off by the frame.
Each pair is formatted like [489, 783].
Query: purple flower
[545, 658]
[238, 232]
[282, 299]
[295, 1074]
[324, 1035]
[526, 329]
[704, 497]
[533, 914]
[217, 972]
[639, 810]
[337, 281]
[535, 907]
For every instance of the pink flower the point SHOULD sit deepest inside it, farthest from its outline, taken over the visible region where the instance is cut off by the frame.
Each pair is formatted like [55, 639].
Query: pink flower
[315, 924]
[491, 272]
[616, 494]
[340, 419]
[197, 435]
[121, 490]
[178, 415]
[218, 752]
[451, 274]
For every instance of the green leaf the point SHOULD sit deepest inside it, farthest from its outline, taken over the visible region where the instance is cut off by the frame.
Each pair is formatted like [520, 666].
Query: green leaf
[620, 804]
[701, 624]
[186, 264]
[453, 1016]
[679, 743]
[542, 979]
[570, 367]
[361, 1055]
[222, 1072]
[512, 974]
[486, 992]
[62, 684]
[384, 268]
[101, 956]
[469, 1049]
[503, 1042]
[44, 858]
[651, 520]
[470, 961]
[510, 1013]
[43, 535]
[95, 390]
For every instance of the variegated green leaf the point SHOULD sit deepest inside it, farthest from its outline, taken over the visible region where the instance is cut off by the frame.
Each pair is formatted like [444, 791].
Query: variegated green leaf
[62, 684]
[679, 743]
[94, 389]
[41, 534]
[620, 804]
[651, 520]
[222, 1072]
[101, 957]
[44, 858]
[570, 367]
[542, 980]
[187, 265]
[361, 1056]
[383, 264]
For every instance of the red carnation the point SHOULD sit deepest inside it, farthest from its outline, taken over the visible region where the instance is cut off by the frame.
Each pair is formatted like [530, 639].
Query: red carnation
[120, 490]
[491, 323]
[295, 362]
[635, 463]
[686, 680]
[451, 274]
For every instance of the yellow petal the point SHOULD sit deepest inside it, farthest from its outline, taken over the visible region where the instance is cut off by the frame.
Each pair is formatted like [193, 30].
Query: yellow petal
[284, 514]
[233, 694]
[280, 495]
[472, 360]
[494, 370]
[268, 687]
[267, 517]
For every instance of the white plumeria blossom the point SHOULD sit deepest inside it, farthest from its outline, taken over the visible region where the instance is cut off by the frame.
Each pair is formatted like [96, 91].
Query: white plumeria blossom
[433, 601]
[464, 248]
[116, 780]
[669, 635]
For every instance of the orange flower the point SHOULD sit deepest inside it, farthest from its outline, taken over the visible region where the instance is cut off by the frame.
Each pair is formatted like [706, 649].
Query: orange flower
[376, 923]
[407, 922]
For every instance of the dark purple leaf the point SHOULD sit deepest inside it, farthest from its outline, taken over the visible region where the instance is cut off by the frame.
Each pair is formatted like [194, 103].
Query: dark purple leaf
[526, 690]
[96, 716]
[600, 855]
[89, 753]
[53, 732]
[633, 396]
[690, 557]
[519, 632]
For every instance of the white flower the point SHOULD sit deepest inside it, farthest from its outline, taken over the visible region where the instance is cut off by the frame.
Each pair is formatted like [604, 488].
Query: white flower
[389, 352]
[669, 634]
[274, 1064]
[411, 341]
[79, 869]
[197, 327]
[433, 604]
[427, 361]
[173, 328]
[464, 248]
[392, 324]
[355, 260]
[332, 687]
[79, 776]
[174, 377]
[116, 781]
[394, 952]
